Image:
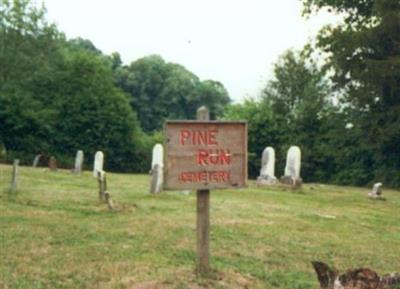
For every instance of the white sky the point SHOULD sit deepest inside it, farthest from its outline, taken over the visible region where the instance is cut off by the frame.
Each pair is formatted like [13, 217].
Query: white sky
[232, 41]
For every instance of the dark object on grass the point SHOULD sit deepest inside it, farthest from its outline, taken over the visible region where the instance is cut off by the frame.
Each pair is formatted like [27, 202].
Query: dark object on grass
[362, 278]
[109, 201]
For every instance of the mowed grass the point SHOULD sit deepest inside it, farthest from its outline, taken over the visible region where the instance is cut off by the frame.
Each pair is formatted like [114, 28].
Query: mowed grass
[56, 234]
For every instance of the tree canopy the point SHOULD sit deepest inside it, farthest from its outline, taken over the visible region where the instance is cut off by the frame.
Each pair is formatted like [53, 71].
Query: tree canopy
[159, 90]
[364, 58]
[59, 95]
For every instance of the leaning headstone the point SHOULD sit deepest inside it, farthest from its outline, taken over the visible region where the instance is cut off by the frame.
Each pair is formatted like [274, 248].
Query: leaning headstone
[98, 163]
[52, 164]
[78, 162]
[36, 160]
[292, 168]
[157, 169]
[376, 192]
[267, 172]
[14, 177]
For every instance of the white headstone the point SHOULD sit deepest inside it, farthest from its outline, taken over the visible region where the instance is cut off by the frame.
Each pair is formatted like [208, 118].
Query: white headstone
[36, 160]
[293, 162]
[267, 172]
[292, 168]
[376, 192]
[98, 163]
[78, 162]
[157, 169]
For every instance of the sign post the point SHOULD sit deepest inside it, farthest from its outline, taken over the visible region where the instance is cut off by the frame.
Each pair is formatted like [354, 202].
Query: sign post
[202, 155]
[203, 216]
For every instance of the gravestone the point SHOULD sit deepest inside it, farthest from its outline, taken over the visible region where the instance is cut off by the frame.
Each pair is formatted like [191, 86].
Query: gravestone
[157, 169]
[36, 160]
[292, 168]
[52, 164]
[98, 163]
[376, 192]
[78, 162]
[102, 181]
[267, 172]
[14, 177]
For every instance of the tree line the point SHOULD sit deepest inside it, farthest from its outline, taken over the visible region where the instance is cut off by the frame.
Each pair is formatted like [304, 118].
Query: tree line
[344, 114]
[58, 95]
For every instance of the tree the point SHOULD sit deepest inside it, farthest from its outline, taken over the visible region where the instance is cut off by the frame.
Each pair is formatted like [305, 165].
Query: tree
[364, 57]
[144, 80]
[83, 44]
[159, 90]
[299, 99]
[90, 113]
[27, 41]
[58, 96]
[27, 44]
[262, 129]
[212, 94]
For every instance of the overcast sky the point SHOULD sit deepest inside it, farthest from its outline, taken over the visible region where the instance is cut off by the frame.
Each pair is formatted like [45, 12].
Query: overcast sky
[232, 41]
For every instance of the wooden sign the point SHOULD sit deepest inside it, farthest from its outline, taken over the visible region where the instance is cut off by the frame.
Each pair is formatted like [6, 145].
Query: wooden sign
[205, 155]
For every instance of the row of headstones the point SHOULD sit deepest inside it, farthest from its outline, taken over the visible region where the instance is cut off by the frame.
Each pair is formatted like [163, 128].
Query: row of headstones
[78, 166]
[267, 173]
[98, 172]
[52, 164]
[292, 169]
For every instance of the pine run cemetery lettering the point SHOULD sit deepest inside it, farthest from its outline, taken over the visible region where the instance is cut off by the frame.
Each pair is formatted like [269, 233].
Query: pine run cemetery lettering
[205, 154]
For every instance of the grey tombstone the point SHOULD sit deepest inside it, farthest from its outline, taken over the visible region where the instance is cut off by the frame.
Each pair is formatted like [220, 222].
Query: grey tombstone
[157, 169]
[267, 172]
[102, 181]
[36, 160]
[203, 113]
[78, 162]
[376, 192]
[14, 177]
[52, 164]
[98, 163]
[292, 168]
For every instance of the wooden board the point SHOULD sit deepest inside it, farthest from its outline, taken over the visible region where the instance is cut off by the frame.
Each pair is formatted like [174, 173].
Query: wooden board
[205, 155]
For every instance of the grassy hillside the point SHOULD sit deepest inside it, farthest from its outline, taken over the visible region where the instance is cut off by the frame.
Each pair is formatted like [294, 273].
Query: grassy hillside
[56, 234]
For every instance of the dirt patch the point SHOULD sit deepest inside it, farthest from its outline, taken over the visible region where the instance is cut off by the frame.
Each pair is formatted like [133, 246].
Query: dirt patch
[186, 279]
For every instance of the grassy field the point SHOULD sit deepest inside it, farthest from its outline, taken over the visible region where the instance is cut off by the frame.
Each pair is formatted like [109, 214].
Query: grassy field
[56, 234]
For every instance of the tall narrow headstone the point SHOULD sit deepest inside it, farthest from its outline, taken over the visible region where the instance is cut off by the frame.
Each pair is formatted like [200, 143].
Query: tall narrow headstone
[52, 164]
[78, 162]
[102, 181]
[14, 177]
[292, 168]
[157, 169]
[98, 163]
[36, 160]
[267, 172]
